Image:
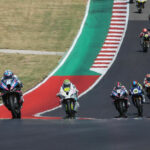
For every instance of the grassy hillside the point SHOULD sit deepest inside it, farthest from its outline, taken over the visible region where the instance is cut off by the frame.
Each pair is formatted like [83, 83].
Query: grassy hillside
[49, 25]
[40, 24]
[31, 69]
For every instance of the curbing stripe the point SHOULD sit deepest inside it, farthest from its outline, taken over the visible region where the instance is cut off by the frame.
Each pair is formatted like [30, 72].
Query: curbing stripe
[114, 37]
[104, 51]
[112, 40]
[118, 20]
[115, 32]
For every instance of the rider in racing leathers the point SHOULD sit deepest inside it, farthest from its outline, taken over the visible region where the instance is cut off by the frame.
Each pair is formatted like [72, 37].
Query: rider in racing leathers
[137, 84]
[8, 74]
[146, 81]
[67, 84]
[120, 86]
[144, 31]
[141, 1]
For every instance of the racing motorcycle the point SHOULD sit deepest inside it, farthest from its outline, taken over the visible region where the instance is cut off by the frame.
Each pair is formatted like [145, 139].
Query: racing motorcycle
[11, 96]
[140, 5]
[68, 97]
[120, 101]
[136, 94]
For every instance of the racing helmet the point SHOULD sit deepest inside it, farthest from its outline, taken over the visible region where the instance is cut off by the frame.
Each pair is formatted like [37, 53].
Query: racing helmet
[66, 85]
[145, 30]
[134, 83]
[8, 74]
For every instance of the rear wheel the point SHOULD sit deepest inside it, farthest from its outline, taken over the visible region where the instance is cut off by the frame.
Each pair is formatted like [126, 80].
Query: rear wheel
[140, 10]
[139, 106]
[148, 91]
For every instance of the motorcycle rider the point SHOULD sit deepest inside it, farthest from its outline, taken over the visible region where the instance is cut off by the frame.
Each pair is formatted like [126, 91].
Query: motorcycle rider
[67, 84]
[146, 79]
[122, 87]
[8, 74]
[144, 36]
[144, 31]
[136, 84]
[138, 2]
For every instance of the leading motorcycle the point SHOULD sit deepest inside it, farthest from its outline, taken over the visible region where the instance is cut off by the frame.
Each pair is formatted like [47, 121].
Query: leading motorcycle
[11, 96]
[68, 99]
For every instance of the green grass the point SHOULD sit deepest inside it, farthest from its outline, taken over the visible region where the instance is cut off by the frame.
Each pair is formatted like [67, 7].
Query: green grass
[49, 25]
[46, 25]
[30, 69]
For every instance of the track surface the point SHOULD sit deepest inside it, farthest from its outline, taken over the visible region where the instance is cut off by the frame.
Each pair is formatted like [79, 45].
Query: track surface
[104, 133]
[74, 134]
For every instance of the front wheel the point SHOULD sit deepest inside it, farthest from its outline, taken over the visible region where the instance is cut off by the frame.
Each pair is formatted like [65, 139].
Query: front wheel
[139, 106]
[139, 10]
[145, 48]
[121, 107]
[14, 107]
[70, 109]
[148, 92]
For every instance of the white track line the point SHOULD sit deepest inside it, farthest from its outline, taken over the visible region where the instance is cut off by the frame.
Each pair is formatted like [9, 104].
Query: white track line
[115, 34]
[106, 54]
[118, 22]
[31, 52]
[114, 30]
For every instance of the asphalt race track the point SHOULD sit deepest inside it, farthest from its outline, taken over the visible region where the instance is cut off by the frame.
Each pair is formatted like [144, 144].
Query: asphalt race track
[105, 132]
[98, 134]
